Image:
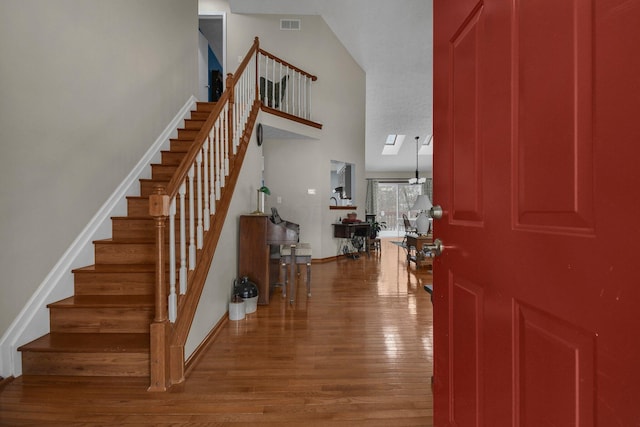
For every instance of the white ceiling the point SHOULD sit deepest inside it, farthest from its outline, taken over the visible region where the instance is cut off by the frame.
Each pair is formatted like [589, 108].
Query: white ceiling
[392, 41]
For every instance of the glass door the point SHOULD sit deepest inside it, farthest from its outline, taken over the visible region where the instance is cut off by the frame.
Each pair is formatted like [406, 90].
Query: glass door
[394, 199]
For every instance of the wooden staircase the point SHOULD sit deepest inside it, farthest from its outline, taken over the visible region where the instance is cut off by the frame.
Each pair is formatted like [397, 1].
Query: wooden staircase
[103, 329]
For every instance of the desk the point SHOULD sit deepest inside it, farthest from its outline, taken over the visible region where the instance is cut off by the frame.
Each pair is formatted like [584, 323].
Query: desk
[351, 230]
[257, 234]
[414, 249]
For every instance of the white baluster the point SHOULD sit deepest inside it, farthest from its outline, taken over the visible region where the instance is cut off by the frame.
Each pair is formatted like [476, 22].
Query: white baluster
[280, 100]
[259, 71]
[265, 74]
[212, 176]
[236, 123]
[216, 153]
[254, 80]
[300, 94]
[247, 86]
[220, 151]
[307, 92]
[242, 103]
[173, 299]
[183, 240]
[199, 230]
[243, 89]
[192, 228]
[225, 146]
[299, 102]
[206, 195]
[273, 81]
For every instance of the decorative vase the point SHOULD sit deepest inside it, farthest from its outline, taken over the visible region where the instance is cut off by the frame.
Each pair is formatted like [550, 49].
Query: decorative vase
[260, 203]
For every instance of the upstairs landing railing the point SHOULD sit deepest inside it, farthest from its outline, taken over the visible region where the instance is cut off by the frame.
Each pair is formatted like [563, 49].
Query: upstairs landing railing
[190, 211]
[284, 89]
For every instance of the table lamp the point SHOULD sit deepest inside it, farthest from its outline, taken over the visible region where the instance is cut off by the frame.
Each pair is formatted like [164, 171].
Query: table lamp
[422, 204]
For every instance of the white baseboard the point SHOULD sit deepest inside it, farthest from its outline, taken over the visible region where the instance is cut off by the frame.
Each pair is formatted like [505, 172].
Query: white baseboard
[33, 320]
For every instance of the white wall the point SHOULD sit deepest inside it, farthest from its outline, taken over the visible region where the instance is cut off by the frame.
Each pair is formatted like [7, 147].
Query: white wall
[86, 88]
[338, 102]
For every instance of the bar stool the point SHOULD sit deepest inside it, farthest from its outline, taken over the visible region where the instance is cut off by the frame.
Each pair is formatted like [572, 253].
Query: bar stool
[291, 255]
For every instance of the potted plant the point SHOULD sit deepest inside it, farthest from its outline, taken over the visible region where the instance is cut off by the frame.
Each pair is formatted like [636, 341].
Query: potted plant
[376, 226]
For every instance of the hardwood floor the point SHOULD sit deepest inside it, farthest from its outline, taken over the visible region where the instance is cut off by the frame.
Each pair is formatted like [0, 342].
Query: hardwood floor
[357, 353]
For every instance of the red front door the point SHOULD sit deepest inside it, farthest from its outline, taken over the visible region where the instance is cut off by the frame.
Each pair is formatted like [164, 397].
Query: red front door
[537, 168]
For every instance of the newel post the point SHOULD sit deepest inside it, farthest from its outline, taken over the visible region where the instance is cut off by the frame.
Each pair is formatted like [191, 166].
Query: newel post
[160, 328]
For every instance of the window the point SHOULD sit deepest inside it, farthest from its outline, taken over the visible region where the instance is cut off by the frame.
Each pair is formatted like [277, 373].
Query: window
[392, 144]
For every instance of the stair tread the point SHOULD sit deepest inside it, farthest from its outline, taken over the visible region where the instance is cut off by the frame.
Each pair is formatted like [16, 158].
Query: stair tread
[134, 218]
[158, 180]
[125, 241]
[205, 105]
[116, 268]
[95, 301]
[89, 342]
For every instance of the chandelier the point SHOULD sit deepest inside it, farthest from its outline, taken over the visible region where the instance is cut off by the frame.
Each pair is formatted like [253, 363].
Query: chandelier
[417, 179]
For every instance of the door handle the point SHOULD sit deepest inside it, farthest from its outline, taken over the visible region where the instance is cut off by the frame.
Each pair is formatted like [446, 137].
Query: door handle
[436, 248]
[436, 212]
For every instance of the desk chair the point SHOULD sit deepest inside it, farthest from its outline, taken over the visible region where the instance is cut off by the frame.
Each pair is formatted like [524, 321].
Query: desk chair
[408, 228]
[272, 94]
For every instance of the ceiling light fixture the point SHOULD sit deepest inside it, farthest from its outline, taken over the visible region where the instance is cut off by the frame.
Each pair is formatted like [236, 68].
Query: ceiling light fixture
[417, 180]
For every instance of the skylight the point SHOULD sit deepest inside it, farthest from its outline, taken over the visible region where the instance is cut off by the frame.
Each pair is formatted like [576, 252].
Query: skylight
[426, 147]
[392, 144]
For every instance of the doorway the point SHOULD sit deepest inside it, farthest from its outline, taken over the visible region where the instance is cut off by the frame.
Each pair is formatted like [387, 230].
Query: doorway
[211, 56]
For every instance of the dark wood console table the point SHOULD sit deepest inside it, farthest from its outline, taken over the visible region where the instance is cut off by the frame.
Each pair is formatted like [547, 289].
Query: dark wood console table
[350, 230]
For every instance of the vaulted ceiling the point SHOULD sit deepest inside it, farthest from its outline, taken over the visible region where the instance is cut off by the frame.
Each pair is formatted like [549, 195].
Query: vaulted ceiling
[392, 41]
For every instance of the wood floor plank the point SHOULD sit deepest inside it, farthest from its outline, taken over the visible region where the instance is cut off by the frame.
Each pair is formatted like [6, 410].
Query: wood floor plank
[358, 352]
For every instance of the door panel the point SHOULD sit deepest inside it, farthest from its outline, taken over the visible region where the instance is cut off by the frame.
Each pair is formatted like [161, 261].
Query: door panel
[553, 55]
[466, 175]
[558, 358]
[465, 334]
[536, 296]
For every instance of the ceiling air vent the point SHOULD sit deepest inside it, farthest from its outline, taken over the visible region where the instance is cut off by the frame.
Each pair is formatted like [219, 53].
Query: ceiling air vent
[290, 24]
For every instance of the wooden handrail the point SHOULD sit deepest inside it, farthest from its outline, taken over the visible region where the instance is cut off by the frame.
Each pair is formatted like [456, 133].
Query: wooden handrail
[285, 63]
